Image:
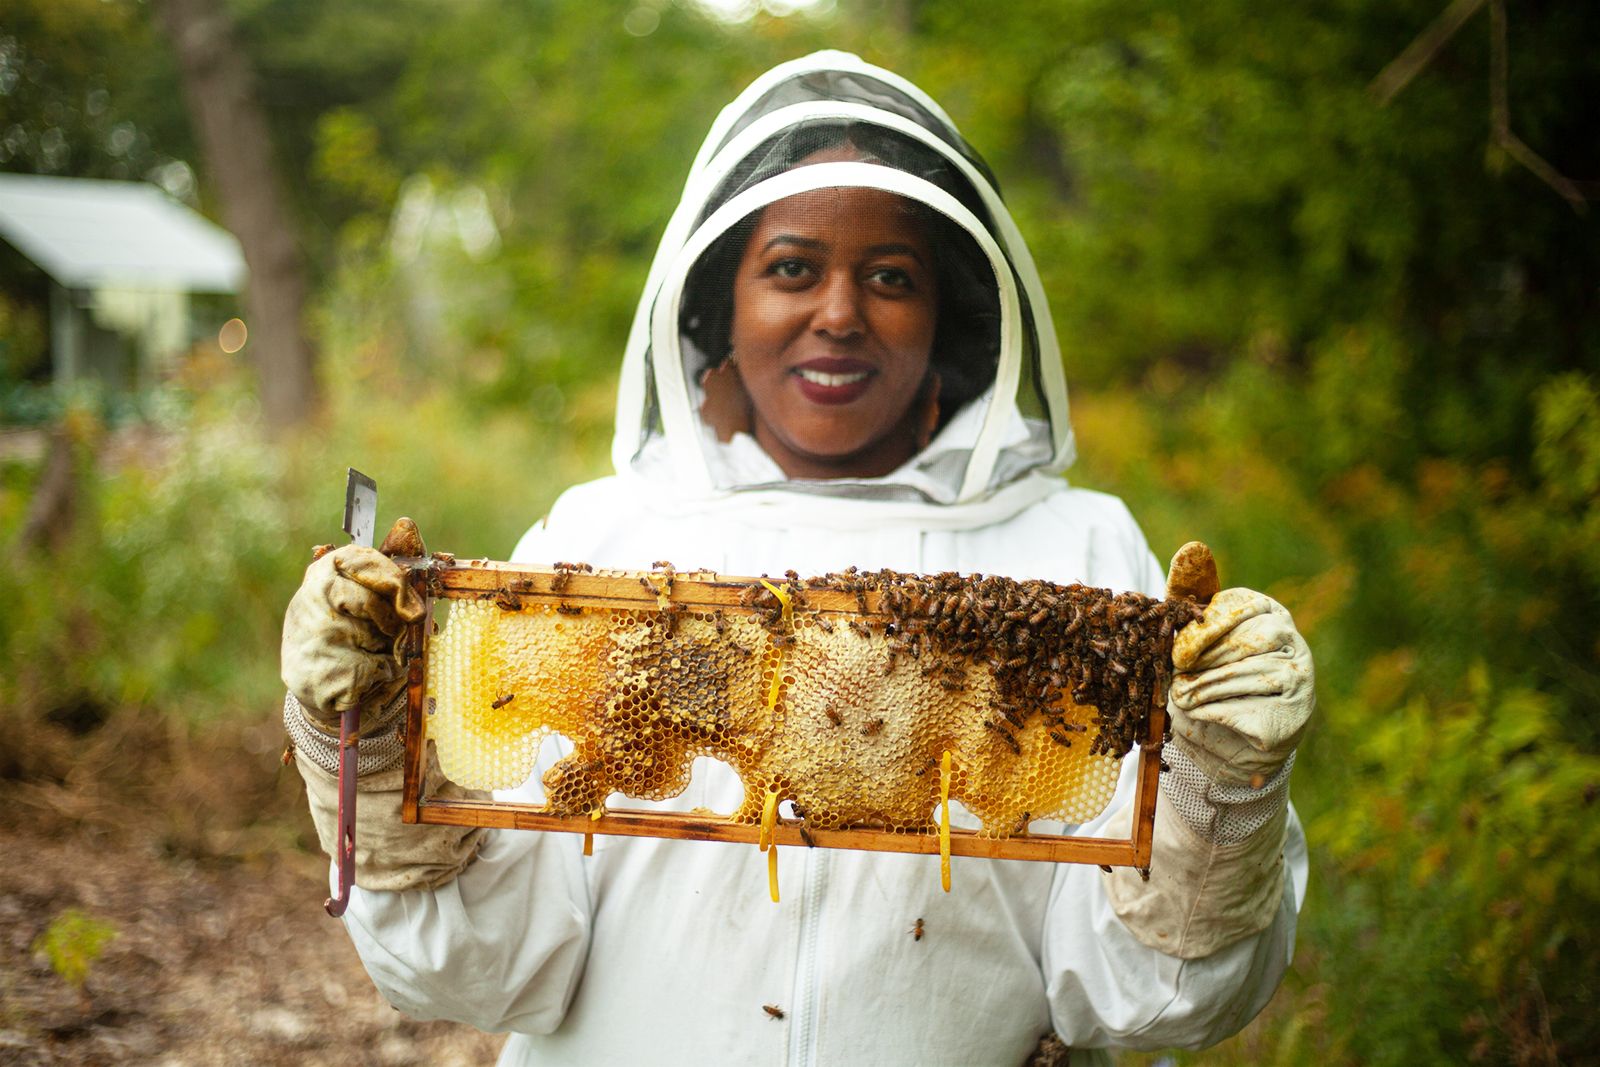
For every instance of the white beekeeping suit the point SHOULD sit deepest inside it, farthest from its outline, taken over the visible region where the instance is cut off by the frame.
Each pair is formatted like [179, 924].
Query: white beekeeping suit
[665, 951]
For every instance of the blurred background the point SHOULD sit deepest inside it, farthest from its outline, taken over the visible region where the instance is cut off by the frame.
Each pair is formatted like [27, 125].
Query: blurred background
[1327, 280]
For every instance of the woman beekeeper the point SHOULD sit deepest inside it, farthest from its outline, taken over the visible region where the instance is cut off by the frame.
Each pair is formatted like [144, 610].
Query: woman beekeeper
[842, 356]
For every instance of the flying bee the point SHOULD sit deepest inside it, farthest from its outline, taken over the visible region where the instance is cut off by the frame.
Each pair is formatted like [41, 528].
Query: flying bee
[773, 1010]
[917, 930]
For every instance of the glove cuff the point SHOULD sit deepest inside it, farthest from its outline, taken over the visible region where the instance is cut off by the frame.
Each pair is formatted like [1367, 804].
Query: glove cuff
[383, 745]
[1217, 810]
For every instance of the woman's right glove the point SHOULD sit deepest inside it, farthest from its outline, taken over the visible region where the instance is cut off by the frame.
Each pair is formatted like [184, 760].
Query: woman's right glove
[339, 652]
[339, 634]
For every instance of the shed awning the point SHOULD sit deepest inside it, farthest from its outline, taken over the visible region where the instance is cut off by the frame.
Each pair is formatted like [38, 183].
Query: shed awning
[89, 234]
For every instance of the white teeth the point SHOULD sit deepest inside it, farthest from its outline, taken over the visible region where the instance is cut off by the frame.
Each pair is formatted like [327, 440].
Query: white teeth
[831, 381]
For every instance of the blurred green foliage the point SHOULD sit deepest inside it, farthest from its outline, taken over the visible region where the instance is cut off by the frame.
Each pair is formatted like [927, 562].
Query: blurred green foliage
[1353, 347]
[72, 942]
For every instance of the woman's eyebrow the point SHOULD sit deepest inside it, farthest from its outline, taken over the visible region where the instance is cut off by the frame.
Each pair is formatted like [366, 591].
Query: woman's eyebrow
[893, 249]
[793, 239]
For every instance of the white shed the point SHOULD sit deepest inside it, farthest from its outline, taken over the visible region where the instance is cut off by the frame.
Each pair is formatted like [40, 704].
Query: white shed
[125, 262]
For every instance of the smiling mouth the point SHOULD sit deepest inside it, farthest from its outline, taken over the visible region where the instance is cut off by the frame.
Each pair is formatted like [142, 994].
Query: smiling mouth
[831, 381]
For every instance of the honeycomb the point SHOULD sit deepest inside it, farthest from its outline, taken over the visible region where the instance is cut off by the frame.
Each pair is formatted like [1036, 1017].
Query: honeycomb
[1035, 690]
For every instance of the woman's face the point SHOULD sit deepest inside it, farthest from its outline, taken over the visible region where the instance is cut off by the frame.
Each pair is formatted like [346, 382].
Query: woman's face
[834, 308]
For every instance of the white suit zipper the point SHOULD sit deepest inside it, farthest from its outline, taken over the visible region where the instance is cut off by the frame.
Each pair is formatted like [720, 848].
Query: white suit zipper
[803, 1030]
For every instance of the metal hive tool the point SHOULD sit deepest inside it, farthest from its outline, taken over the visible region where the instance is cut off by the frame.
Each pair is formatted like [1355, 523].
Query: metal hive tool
[841, 694]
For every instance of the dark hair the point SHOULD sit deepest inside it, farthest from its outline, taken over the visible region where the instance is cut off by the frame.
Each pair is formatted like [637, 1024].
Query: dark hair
[966, 344]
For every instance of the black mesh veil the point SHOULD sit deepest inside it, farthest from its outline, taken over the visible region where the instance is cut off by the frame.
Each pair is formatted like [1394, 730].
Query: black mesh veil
[966, 347]
[834, 156]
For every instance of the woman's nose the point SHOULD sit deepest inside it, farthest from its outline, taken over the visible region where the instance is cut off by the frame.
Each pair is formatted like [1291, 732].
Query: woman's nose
[838, 310]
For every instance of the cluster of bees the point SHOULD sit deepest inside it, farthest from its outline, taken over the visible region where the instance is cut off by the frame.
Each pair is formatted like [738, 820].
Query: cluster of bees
[1041, 641]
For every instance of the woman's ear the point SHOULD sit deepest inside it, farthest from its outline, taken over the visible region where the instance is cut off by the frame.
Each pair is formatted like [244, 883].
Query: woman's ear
[726, 407]
[927, 409]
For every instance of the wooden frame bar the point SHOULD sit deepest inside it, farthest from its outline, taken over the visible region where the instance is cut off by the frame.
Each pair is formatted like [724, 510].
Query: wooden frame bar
[442, 577]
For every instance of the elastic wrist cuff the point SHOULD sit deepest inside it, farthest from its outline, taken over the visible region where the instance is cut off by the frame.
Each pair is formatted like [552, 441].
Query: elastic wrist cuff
[382, 748]
[1218, 811]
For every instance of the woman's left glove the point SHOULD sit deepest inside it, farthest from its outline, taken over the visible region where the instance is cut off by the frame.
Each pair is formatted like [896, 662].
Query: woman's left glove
[1244, 691]
[1239, 703]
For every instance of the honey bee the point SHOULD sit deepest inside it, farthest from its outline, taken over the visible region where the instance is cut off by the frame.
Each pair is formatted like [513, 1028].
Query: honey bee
[720, 621]
[917, 930]
[872, 727]
[1005, 735]
[773, 1010]
[501, 701]
[824, 624]
[833, 716]
[860, 627]
[564, 608]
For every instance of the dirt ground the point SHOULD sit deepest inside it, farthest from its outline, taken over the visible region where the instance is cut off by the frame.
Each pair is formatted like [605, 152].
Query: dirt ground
[199, 859]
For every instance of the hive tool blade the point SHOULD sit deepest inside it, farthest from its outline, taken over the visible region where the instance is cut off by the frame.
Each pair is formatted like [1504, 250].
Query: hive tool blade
[360, 522]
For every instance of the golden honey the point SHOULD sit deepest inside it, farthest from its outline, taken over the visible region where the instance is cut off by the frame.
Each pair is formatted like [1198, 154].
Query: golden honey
[816, 710]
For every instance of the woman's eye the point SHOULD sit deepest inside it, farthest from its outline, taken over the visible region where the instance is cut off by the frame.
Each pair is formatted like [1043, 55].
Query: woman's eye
[789, 269]
[893, 278]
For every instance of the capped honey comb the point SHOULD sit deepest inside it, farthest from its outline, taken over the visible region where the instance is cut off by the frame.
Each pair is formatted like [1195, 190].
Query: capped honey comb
[1036, 690]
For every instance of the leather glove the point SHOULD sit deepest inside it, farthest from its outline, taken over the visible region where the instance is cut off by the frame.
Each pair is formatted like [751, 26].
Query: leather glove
[1244, 692]
[339, 632]
[1240, 701]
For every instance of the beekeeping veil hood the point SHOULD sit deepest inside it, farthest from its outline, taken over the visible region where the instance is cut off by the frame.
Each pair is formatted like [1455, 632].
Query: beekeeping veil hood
[831, 121]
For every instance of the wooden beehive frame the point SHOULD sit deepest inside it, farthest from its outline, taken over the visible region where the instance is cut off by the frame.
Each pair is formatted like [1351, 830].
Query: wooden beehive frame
[441, 577]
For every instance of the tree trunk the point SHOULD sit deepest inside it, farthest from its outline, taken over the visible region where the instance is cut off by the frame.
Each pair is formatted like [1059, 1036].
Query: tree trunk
[219, 89]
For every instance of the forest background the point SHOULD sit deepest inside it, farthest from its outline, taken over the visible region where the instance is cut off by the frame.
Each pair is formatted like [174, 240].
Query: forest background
[1344, 328]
